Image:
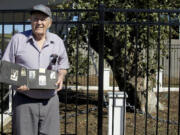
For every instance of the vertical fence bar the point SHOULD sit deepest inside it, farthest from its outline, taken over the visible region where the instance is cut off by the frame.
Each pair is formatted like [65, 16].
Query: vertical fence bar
[178, 130]
[113, 79]
[135, 93]
[101, 69]
[169, 75]
[147, 76]
[77, 68]
[147, 72]
[125, 61]
[2, 109]
[13, 24]
[99, 3]
[3, 25]
[13, 17]
[87, 92]
[24, 18]
[2, 86]
[158, 61]
[56, 18]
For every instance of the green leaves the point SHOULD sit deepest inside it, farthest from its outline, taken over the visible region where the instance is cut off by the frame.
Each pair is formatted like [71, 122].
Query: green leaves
[132, 42]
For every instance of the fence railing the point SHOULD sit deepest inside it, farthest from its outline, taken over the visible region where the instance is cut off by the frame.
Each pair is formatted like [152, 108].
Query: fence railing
[131, 41]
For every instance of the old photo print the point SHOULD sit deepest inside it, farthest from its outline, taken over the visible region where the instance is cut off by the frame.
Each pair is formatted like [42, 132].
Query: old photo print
[53, 75]
[42, 80]
[32, 74]
[14, 75]
[23, 72]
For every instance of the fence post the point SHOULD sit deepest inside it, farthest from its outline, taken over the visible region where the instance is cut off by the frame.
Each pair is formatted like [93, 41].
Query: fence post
[116, 113]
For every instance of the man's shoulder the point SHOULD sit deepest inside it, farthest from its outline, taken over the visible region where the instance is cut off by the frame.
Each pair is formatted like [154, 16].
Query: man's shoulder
[54, 36]
[24, 34]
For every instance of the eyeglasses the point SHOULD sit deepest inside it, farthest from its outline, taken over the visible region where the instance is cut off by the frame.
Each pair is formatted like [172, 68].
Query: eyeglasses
[36, 19]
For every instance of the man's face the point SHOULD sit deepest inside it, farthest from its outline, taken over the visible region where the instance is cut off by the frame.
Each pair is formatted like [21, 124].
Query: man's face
[40, 23]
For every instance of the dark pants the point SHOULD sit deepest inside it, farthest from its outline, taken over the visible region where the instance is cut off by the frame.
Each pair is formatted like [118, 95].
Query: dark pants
[35, 116]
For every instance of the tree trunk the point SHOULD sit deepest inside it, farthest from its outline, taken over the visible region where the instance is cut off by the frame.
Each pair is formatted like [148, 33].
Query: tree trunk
[126, 77]
[152, 102]
[138, 96]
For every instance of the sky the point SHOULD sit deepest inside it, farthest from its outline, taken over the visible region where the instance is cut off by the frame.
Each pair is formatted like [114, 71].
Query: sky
[8, 29]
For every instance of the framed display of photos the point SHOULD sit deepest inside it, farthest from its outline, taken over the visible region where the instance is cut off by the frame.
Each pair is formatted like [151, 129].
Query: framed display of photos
[17, 75]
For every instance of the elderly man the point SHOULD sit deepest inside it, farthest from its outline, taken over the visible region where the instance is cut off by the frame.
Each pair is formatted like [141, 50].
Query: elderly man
[36, 112]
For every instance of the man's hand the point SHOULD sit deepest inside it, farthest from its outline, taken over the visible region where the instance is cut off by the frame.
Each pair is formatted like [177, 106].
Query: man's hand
[62, 73]
[23, 88]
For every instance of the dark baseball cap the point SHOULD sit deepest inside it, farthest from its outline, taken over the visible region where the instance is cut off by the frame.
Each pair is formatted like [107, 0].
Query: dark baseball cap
[41, 8]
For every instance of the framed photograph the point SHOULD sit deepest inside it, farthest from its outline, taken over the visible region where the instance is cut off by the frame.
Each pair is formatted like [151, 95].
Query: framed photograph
[23, 72]
[32, 74]
[52, 75]
[14, 75]
[42, 80]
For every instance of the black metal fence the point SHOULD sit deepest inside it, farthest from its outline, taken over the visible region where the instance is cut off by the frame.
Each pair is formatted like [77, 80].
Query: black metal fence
[132, 43]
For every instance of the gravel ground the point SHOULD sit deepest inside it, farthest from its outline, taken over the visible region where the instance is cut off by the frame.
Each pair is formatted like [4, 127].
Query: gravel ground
[78, 121]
